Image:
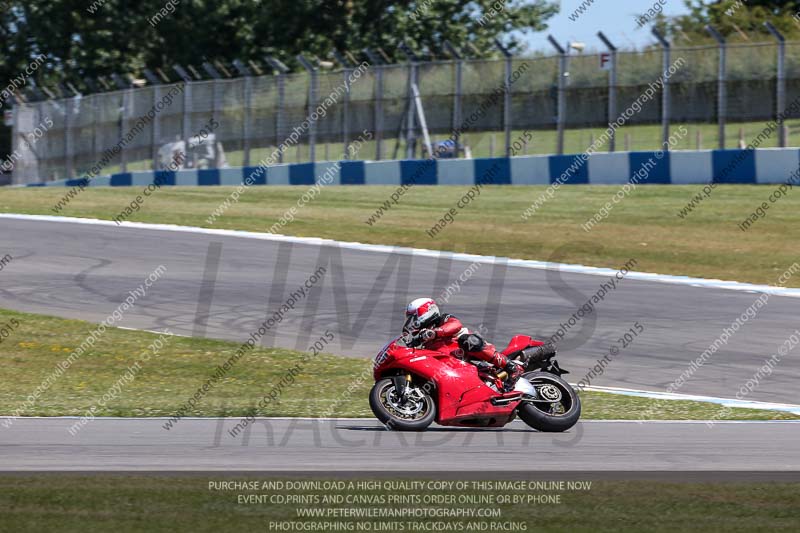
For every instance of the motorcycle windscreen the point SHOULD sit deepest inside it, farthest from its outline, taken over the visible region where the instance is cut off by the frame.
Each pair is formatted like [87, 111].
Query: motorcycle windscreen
[411, 325]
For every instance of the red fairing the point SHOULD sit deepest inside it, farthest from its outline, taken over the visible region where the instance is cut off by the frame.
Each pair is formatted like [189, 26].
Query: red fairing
[520, 342]
[462, 395]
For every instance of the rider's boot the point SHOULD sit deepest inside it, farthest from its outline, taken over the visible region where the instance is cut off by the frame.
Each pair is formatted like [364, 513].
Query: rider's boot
[514, 369]
[517, 367]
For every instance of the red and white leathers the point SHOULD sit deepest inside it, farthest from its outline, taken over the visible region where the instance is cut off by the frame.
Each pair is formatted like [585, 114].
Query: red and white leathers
[450, 328]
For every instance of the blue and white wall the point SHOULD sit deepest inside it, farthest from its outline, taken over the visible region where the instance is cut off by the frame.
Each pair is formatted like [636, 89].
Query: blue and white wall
[681, 167]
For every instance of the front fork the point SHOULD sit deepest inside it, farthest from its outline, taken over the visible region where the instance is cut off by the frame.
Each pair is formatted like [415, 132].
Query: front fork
[402, 384]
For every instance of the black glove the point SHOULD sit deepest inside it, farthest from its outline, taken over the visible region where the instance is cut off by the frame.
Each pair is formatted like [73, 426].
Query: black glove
[427, 334]
[512, 366]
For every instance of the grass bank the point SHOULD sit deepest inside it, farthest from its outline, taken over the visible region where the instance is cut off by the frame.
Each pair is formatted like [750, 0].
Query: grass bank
[169, 376]
[644, 226]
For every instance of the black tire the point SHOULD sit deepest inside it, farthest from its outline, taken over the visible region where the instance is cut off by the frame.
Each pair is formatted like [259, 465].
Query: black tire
[533, 413]
[394, 421]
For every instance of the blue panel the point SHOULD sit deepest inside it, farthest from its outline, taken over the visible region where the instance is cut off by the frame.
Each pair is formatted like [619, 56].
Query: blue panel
[121, 180]
[259, 175]
[208, 176]
[659, 170]
[418, 172]
[301, 174]
[36, 185]
[495, 171]
[164, 177]
[734, 166]
[76, 183]
[352, 173]
[559, 165]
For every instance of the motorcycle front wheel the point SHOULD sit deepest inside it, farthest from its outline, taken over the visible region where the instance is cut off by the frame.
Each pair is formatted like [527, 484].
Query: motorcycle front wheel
[415, 412]
[557, 406]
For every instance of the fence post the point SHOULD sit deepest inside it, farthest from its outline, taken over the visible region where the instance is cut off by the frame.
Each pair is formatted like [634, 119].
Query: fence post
[346, 114]
[378, 112]
[156, 126]
[612, 91]
[507, 95]
[665, 93]
[280, 82]
[215, 101]
[247, 116]
[562, 94]
[127, 95]
[722, 99]
[780, 86]
[377, 64]
[411, 144]
[16, 177]
[215, 114]
[155, 131]
[95, 150]
[247, 90]
[412, 80]
[186, 125]
[312, 104]
[345, 63]
[69, 151]
[187, 119]
[459, 75]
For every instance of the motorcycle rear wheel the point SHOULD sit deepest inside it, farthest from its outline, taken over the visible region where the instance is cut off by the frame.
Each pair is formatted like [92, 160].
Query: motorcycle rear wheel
[412, 414]
[558, 407]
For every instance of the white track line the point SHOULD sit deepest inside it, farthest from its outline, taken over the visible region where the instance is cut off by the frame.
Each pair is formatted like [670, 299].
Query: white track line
[727, 402]
[155, 331]
[379, 248]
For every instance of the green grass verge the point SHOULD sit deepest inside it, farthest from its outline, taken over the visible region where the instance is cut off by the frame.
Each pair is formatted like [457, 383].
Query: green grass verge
[167, 380]
[644, 226]
[112, 502]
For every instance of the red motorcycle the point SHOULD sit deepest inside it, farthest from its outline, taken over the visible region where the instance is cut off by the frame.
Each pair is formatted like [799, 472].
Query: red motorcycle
[415, 387]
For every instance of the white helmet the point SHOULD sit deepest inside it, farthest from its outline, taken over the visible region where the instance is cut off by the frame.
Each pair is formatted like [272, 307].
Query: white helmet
[421, 313]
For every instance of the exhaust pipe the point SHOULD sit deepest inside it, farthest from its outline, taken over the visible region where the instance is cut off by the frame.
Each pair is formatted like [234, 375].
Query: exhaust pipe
[537, 354]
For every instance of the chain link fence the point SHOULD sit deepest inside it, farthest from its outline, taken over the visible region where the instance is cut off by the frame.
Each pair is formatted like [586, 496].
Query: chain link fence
[255, 115]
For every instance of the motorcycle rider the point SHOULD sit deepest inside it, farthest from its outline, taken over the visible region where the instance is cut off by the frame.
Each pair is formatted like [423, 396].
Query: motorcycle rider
[435, 330]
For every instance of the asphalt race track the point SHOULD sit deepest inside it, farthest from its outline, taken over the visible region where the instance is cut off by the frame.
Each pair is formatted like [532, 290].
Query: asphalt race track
[305, 445]
[225, 287]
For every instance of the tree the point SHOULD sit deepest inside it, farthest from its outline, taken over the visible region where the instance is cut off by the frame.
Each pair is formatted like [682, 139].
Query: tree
[734, 18]
[93, 38]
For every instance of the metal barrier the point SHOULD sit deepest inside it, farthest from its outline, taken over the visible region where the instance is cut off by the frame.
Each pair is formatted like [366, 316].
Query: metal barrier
[567, 101]
[775, 166]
